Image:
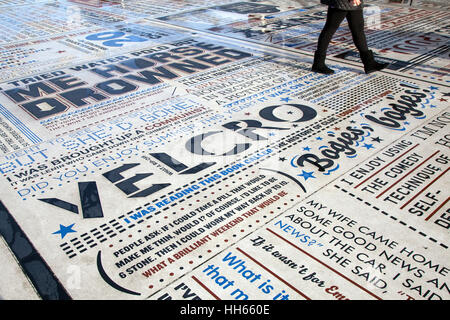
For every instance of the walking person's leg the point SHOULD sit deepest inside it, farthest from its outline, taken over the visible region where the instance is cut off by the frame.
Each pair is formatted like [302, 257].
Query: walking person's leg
[334, 19]
[355, 21]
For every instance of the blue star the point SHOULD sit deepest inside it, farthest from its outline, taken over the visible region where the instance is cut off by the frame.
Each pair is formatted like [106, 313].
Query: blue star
[285, 99]
[368, 146]
[406, 123]
[271, 134]
[307, 175]
[319, 138]
[306, 148]
[433, 88]
[63, 230]
[432, 106]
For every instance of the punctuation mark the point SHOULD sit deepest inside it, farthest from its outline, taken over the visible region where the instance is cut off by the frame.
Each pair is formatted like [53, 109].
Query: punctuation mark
[108, 280]
[292, 162]
[367, 127]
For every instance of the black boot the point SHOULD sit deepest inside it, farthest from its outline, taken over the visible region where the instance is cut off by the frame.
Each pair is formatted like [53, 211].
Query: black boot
[370, 65]
[319, 64]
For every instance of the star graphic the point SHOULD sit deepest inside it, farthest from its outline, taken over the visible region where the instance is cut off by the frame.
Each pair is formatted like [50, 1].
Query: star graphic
[368, 146]
[406, 123]
[432, 106]
[271, 134]
[290, 112]
[295, 125]
[319, 138]
[285, 99]
[307, 175]
[443, 100]
[377, 139]
[247, 113]
[306, 148]
[433, 88]
[63, 230]
[282, 159]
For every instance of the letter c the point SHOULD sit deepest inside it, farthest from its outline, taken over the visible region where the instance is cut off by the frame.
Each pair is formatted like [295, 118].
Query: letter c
[194, 145]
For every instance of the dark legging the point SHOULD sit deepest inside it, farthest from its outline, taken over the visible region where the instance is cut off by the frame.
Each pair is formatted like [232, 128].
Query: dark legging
[334, 18]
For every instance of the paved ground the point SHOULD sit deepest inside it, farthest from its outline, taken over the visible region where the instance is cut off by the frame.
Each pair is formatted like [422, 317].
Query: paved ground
[184, 150]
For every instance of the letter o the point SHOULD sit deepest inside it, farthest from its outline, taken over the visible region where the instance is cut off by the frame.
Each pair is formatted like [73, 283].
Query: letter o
[308, 113]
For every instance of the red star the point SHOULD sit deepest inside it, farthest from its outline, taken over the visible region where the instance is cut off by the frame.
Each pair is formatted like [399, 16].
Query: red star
[61, 51]
[444, 100]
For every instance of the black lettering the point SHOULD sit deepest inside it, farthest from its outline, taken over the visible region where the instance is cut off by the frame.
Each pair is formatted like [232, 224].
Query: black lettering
[35, 90]
[78, 96]
[44, 107]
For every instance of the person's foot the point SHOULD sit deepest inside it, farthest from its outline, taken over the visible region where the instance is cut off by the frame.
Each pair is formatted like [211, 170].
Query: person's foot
[319, 64]
[322, 69]
[370, 65]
